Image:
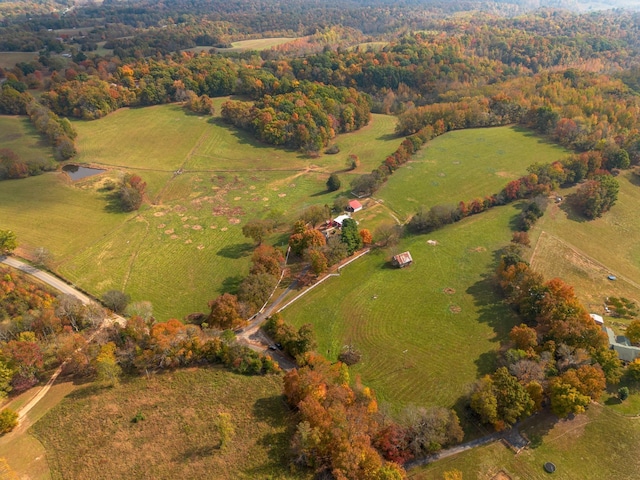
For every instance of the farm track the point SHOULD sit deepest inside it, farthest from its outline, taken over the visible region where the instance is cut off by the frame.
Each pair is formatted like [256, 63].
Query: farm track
[67, 289]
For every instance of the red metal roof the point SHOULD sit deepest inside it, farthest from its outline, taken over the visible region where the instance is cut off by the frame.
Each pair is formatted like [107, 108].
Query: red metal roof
[355, 204]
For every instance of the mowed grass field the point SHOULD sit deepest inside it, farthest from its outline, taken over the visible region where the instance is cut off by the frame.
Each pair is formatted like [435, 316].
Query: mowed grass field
[584, 252]
[90, 434]
[426, 332]
[17, 134]
[593, 446]
[465, 164]
[185, 246]
[9, 59]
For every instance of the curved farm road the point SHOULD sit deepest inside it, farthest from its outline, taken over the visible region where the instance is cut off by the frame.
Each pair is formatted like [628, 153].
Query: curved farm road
[68, 290]
[46, 278]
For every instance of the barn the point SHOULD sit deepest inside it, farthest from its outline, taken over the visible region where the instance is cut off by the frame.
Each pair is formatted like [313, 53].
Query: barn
[354, 206]
[402, 260]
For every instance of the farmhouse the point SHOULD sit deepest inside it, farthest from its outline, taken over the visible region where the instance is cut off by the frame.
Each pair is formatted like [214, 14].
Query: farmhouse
[622, 345]
[597, 318]
[337, 222]
[402, 260]
[354, 206]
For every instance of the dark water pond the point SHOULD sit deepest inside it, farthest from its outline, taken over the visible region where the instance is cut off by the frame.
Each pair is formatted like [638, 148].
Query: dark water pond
[77, 172]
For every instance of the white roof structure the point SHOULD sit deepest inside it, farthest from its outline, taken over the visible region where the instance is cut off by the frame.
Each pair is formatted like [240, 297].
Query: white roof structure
[597, 318]
[339, 220]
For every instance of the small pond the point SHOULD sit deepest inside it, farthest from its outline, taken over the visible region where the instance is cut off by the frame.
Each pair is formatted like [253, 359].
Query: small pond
[76, 172]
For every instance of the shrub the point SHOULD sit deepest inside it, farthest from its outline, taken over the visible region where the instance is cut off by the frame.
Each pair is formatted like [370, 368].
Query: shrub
[333, 183]
[332, 150]
[623, 393]
[8, 420]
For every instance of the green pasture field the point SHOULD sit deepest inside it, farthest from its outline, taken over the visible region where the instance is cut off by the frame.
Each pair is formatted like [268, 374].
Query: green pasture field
[178, 437]
[46, 211]
[17, 134]
[185, 246]
[465, 164]
[584, 252]
[9, 59]
[596, 445]
[426, 332]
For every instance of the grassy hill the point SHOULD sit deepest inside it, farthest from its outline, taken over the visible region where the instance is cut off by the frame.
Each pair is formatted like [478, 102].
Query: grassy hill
[598, 444]
[178, 437]
[186, 246]
[465, 164]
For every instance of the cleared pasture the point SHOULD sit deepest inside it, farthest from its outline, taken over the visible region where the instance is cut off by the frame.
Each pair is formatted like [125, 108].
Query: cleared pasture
[596, 445]
[610, 243]
[428, 331]
[9, 59]
[46, 211]
[17, 134]
[185, 247]
[179, 435]
[465, 164]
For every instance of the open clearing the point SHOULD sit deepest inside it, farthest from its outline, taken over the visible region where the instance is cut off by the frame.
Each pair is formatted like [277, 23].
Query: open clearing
[178, 437]
[465, 164]
[428, 331]
[9, 59]
[580, 251]
[596, 445]
[187, 247]
[17, 134]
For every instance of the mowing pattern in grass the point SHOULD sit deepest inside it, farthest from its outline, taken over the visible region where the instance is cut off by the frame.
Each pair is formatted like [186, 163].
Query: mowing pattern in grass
[178, 437]
[599, 444]
[17, 134]
[465, 164]
[427, 331]
[186, 248]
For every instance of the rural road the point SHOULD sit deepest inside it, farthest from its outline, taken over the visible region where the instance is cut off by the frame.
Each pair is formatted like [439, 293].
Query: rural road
[46, 278]
[68, 290]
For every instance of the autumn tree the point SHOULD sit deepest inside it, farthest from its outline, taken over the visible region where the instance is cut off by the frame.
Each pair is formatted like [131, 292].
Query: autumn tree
[257, 229]
[225, 312]
[131, 192]
[500, 399]
[8, 242]
[266, 259]
[115, 300]
[566, 399]
[256, 289]
[633, 331]
[366, 236]
[597, 196]
[8, 420]
[353, 161]
[429, 430]
[315, 214]
[523, 337]
[107, 369]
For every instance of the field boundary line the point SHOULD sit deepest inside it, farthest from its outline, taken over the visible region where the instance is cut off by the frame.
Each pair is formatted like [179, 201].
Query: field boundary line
[577, 251]
[205, 134]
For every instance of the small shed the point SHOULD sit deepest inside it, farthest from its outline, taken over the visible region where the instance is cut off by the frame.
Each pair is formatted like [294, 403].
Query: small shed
[402, 260]
[354, 206]
[597, 318]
